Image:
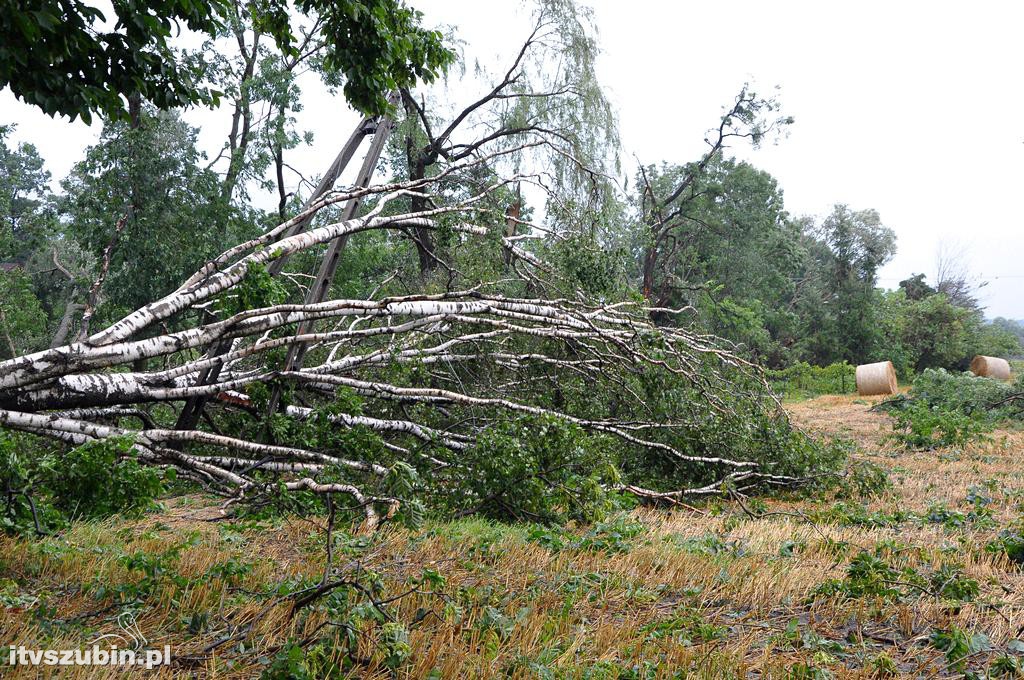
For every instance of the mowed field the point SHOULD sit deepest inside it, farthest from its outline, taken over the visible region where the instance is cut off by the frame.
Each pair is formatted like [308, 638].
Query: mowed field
[762, 588]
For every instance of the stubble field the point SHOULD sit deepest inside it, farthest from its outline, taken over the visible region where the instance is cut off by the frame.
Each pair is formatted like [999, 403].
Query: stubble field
[900, 584]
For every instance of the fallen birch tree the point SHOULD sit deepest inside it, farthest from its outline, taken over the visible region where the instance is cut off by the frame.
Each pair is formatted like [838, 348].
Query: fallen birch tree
[464, 398]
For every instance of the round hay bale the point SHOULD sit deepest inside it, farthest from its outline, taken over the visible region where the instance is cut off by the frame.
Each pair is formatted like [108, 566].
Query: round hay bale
[990, 367]
[877, 378]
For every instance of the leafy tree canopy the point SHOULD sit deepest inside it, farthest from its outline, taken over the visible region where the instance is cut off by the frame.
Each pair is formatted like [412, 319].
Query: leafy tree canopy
[24, 187]
[64, 56]
[151, 176]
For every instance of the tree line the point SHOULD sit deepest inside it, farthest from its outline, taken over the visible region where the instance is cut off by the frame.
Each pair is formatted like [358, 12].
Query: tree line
[146, 208]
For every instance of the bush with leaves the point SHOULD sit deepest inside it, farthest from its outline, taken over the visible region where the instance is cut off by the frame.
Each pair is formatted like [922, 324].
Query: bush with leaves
[923, 329]
[958, 645]
[288, 664]
[536, 468]
[870, 575]
[864, 479]
[44, 489]
[802, 380]
[867, 575]
[967, 393]
[103, 478]
[615, 535]
[951, 409]
[25, 509]
[921, 427]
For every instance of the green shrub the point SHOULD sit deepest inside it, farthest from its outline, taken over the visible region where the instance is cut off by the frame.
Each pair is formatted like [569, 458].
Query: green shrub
[867, 575]
[871, 576]
[802, 380]
[615, 535]
[94, 480]
[536, 468]
[939, 513]
[710, 545]
[1005, 665]
[288, 664]
[26, 508]
[804, 671]
[949, 581]
[983, 398]
[394, 644]
[864, 479]
[1010, 542]
[102, 478]
[854, 514]
[687, 628]
[950, 409]
[921, 427]
[884, 666]
[958, 645]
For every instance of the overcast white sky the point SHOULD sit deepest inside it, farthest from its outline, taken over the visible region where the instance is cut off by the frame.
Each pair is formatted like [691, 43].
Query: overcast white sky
[913, 108]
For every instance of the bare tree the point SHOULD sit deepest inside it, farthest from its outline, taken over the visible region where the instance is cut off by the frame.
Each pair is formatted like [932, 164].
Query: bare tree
[549, 92]
[953, 277]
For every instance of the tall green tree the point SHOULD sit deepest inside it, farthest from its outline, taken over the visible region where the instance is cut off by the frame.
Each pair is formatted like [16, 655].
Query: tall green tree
[916, 288]
[24, 197]
[23, 324]
[999, 339]
[260, 82]
[922, 328]
[669, 205]
[847, 250]
[144, 206]
[34, 267]
[734, 253]
[935, 333]
[1011, 326]
[547, 97]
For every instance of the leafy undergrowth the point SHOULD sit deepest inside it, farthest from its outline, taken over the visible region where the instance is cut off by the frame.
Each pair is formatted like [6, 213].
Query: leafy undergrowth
[923, 580]
[946, 409]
